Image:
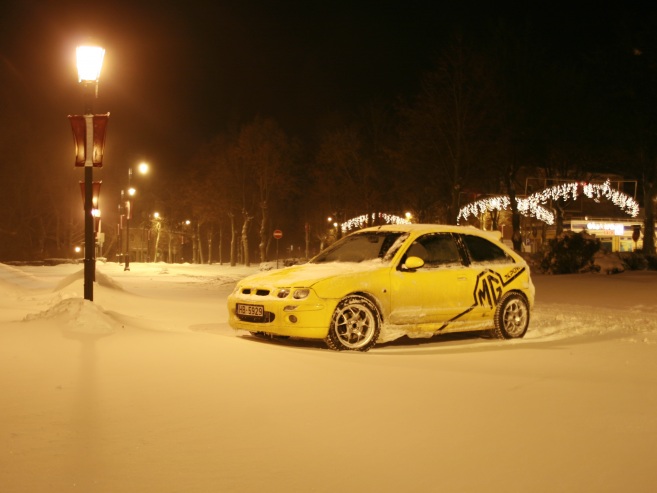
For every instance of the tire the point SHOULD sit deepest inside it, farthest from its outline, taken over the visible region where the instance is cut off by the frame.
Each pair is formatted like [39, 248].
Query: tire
[511, 316]
[355, 325]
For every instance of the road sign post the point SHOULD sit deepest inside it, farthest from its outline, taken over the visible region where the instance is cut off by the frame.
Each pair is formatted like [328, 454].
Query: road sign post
[278, 234]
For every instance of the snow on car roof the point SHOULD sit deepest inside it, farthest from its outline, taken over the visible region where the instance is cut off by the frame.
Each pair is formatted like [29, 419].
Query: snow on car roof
[427, 228]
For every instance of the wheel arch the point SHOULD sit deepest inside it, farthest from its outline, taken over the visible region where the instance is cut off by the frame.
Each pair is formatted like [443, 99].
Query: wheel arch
[373, 299]
[515, 291]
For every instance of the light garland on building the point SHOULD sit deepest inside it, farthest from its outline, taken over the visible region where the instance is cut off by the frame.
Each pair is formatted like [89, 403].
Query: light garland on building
[624, 202]
[361, 221]
[531, 206]
[526, 207]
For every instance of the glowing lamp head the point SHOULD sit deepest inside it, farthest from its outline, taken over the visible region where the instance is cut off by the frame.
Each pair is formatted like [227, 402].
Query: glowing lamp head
[142, 168]
[89, 62]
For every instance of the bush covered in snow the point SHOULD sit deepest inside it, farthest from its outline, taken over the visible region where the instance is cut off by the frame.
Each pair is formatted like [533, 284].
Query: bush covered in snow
[608, 263]
[639, 261]
[570, 253]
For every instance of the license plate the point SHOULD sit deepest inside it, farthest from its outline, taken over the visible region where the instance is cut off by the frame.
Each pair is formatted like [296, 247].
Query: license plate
[250, 310]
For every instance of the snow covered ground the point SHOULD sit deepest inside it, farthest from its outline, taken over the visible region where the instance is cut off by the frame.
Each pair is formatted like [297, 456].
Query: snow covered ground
[147, 389]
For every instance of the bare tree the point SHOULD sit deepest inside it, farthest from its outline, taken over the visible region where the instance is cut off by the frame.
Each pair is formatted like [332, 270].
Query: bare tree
[247, 218]
[263, 148]
[633, 118]
[444, 133]
[352, 170]
[233, 240]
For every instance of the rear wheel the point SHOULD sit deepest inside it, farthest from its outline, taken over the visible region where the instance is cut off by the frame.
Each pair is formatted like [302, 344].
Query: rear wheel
[511, 316]
[355, 325]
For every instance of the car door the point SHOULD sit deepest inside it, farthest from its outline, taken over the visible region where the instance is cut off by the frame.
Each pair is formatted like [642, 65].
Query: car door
[491, 270]
[435, 294]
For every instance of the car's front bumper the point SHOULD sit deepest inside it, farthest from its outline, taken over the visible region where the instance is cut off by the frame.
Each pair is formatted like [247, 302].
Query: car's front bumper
[306, 319]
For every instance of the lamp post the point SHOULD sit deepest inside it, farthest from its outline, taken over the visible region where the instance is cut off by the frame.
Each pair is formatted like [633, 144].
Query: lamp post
[89, 63]
[95, 212]
[143, 169]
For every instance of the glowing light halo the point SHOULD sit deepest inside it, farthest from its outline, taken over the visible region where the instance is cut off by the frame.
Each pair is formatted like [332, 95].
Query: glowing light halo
[531, 206]
[361, 221]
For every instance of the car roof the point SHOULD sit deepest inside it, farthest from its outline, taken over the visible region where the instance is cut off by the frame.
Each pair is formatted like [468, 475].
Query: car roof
[433, 228]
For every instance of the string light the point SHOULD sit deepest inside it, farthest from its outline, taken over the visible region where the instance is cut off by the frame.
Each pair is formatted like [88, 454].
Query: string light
[526, 207]
[532, 205]
[624, 202]
[361, 221]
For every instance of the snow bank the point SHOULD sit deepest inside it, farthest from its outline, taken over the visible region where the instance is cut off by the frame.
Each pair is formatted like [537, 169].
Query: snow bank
[77, 315]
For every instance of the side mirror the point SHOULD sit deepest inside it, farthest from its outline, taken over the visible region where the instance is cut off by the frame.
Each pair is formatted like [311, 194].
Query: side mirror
[413, 263]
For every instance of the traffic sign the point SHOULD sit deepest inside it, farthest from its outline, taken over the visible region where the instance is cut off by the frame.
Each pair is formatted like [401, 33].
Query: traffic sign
[278, 234]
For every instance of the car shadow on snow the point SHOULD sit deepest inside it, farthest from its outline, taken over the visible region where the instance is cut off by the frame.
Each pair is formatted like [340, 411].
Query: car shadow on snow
[283, 341]
[458, 342]
[441, 342]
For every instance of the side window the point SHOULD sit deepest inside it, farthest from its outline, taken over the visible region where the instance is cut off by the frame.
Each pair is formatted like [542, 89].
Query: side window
[483, 250]
[436, 250]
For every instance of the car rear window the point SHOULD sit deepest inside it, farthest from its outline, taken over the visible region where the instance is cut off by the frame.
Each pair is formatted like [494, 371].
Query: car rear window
[483, 250]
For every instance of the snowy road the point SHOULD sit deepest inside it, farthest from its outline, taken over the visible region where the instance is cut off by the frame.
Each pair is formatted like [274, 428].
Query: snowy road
[148, 389]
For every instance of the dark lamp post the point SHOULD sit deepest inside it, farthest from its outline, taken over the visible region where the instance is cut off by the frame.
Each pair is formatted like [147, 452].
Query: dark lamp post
[89, 63]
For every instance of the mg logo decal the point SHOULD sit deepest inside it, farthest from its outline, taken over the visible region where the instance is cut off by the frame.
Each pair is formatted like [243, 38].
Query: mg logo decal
[488, 288]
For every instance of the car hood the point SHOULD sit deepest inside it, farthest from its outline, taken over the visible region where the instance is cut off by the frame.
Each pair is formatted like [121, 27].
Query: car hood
[306, 275]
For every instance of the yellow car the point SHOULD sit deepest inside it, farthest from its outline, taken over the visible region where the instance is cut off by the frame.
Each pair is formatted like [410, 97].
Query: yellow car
[385, 282]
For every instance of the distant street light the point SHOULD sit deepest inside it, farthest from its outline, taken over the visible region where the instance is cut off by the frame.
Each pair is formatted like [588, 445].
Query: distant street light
[142, 168]
[89, 63]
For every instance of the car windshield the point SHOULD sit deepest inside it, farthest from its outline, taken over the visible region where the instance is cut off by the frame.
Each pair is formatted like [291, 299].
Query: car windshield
[360, 247]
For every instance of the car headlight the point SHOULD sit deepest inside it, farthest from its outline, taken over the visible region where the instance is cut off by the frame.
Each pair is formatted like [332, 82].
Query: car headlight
[283, 292]
[300, 294]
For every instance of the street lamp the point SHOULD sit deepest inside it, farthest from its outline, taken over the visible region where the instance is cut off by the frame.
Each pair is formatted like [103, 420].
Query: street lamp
[89, 63]
[143, 169]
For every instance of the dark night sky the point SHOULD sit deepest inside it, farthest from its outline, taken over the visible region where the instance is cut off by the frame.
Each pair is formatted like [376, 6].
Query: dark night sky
[177, 73]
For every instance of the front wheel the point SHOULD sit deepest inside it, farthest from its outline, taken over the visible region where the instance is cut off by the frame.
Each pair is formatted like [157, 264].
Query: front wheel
[511, 316]
[355, 325]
